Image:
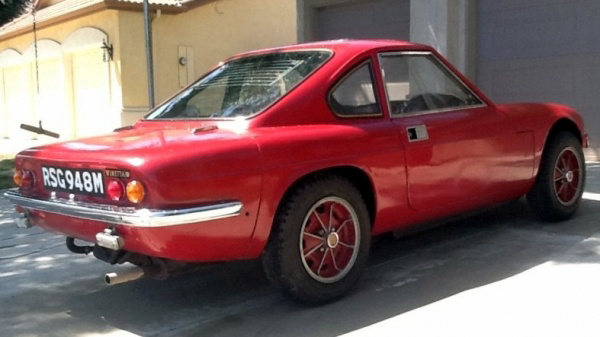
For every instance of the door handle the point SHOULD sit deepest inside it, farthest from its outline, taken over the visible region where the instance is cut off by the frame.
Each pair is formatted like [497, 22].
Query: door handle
[417, 133]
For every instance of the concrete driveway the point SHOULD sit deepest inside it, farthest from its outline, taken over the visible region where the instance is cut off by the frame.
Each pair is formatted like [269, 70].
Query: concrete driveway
[501, 273]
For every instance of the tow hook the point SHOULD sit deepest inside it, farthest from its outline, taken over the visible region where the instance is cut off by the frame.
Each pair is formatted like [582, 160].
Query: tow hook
[78, 249]
[109, 239]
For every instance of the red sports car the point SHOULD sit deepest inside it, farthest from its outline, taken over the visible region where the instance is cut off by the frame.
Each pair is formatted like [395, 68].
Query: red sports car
[299, 155]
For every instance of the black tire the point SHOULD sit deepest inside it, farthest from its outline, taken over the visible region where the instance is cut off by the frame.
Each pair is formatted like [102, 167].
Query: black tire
[557, 193]
[290, 259]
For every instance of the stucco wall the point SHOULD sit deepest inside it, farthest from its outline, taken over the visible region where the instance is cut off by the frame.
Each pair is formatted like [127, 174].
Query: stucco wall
[214, 31]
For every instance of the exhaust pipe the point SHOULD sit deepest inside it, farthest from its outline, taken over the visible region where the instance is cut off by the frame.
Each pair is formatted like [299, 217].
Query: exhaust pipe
[126, 276]
[22, 220]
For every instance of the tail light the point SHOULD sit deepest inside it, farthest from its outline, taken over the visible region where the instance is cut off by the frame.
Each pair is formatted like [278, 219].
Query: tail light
[135, 191]
[24, 178]
[115, 190]
[28, 179]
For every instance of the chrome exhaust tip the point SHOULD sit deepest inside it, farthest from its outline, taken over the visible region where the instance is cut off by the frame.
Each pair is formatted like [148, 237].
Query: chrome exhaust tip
[126, 276]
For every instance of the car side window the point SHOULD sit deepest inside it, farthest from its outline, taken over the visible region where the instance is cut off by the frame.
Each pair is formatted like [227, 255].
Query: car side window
[355, 95]
[419, 83]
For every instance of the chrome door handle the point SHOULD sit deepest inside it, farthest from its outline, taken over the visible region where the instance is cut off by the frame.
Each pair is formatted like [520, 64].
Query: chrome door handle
[417, 133]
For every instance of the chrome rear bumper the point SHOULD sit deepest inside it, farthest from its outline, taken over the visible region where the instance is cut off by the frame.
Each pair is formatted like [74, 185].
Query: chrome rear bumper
[127, 216]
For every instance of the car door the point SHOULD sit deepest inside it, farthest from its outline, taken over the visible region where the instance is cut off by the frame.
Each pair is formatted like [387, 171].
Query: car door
[460, 151]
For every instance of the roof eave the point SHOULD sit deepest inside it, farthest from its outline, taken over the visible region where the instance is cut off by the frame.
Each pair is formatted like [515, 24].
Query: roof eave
[67, 16]
[104, 5]
[137, 7]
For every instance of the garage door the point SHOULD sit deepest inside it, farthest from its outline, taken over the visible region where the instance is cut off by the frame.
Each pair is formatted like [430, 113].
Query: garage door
[542, 50]
[51, 104]
[17, 100]
[368, 19]
[3, 112]
[91, 94]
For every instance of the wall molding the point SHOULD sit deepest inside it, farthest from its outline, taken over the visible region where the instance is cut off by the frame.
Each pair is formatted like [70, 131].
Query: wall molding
[46, 49]
[84, 38]
[10, 57]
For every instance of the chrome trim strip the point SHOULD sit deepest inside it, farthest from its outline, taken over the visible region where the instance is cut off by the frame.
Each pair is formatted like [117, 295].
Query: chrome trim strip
[435, 111]
[127, 216]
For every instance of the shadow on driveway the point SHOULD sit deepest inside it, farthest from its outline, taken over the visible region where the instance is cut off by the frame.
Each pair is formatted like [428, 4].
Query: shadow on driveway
[52, 292]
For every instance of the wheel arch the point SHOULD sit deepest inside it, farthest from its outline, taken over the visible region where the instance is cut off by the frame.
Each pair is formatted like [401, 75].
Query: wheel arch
[544, 196]
[356, 176]
[563, 124]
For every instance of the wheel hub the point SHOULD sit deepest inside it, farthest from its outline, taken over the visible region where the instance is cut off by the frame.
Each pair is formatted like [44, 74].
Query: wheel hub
[332, 240]
[569, 176]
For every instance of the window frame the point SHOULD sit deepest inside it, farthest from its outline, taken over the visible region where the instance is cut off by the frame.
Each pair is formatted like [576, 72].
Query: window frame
[444, 68]
[371, 66]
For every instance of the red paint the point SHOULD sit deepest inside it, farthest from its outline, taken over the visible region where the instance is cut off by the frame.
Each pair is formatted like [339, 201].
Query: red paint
[472, 158]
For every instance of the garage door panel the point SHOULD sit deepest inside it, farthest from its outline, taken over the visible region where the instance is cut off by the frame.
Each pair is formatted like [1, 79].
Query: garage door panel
[505, 34]
[532, 81]
[592, 121]
[586, 27]
[51, 102]
[367, 19]
[17, 101]
[3, 113]
[495, 6]
[91, 92]
[542, 51]
[588, 84]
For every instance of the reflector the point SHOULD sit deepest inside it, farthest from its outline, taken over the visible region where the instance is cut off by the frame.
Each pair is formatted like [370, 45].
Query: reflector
[115, 190]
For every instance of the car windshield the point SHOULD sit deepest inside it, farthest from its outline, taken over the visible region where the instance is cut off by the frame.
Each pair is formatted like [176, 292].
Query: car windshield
[242, 87]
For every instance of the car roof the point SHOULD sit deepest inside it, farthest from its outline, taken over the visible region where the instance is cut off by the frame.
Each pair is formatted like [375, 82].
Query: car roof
[346, 45]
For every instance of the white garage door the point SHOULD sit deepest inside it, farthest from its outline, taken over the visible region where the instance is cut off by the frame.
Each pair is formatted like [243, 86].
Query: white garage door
[51, 104]
[3, 113]
[91, 94]
[542, 50]
[17, 102]
[368, 19]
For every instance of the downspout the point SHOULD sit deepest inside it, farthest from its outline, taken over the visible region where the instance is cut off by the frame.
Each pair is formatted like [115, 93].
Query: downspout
[149, 59]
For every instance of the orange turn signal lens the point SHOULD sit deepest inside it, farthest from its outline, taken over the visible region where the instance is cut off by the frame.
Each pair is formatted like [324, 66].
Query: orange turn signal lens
[135, 191]
[18, 177]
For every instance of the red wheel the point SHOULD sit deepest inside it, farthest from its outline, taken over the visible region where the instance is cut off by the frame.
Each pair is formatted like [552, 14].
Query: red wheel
[567, 178]
[320, 243]
[559, 183]
[330, 239]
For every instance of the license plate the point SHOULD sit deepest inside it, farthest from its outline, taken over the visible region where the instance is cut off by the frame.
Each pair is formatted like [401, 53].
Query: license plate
[73, 181]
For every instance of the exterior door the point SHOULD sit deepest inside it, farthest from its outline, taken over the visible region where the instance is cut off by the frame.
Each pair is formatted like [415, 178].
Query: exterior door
[4, 126]
[51, 104]
[460, 152]
[91, 94]
[17, 103]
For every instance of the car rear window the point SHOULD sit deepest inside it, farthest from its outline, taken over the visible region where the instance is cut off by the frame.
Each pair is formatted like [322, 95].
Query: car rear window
[242, 87]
